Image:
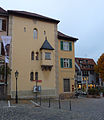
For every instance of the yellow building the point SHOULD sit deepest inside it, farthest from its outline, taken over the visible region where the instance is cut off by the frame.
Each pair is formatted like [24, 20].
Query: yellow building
[41, 56]
[66, 63]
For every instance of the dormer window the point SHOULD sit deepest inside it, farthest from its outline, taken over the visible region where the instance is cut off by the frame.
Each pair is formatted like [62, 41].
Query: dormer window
[2, 25]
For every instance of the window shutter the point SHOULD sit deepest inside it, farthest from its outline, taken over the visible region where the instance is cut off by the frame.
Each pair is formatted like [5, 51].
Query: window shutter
[61, 62]
[4, 25]
[70, 46]
[70, 63]
[61, 45]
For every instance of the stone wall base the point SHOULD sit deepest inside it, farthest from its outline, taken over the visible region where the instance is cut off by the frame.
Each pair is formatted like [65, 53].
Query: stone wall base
[66, 95]
[31, 94]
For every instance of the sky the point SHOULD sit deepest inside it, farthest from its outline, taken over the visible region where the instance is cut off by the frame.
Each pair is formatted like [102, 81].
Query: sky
[83, 19]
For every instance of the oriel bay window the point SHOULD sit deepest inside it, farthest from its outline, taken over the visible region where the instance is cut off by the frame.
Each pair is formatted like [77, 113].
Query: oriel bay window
[67, 46]
[66, 63]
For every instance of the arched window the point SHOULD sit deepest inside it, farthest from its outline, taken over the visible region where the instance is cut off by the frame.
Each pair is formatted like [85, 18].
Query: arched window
[35, 33]
[37, 55]
[32, 55]
[36, 75]
[32, 76]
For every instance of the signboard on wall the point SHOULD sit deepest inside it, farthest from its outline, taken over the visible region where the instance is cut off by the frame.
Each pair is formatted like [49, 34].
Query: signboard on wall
[37, 89]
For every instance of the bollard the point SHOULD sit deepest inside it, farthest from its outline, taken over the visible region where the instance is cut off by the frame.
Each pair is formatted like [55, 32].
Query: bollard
[40, 101]
[70, 105]
[49, 103]
[59, 103]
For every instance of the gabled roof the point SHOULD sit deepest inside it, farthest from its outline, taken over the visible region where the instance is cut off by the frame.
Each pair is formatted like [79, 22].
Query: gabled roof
[3, 12]
[66, 37]
[32, 15]
[85, 63]
[46, 45]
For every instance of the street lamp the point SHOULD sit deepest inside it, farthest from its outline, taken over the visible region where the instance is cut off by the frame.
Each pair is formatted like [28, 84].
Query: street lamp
[16, 76]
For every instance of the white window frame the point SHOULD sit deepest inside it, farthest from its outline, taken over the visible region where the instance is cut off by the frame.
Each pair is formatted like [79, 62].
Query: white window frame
[66, 46]
[66, 63]
[47, 56]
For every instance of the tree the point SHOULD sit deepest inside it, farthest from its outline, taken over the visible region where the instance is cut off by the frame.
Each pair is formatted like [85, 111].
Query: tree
[99, 68]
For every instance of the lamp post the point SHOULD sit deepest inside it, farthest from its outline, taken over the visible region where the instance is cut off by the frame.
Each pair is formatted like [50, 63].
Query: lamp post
[16, 76]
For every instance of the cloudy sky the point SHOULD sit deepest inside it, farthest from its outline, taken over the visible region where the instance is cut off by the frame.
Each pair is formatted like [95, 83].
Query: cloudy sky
[83, 19]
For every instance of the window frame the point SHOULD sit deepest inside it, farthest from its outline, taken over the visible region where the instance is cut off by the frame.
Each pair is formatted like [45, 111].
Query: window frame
[35, 33]
[32, 55]
[32, 76]
[48, 54]
[68, 85]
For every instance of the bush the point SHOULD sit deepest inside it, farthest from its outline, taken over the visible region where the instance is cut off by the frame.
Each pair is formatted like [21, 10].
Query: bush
[93, 91]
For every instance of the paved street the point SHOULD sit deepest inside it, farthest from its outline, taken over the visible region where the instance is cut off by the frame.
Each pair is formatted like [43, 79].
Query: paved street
[82, 109]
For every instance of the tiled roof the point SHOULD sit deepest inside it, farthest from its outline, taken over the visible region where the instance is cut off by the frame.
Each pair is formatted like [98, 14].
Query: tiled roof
[46, 45]
[3, 12]
[66, 37]
[85, 63]
[32, 15]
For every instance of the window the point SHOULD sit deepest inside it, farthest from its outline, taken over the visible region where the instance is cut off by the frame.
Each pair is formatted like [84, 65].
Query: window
[31, 76]
[37, 56]
[67, 46]
[2, 25]
[66, 85]
[36, 75]
[35, 34]
[44, 32]
[0, 48]
[47, 56]
[66, 63]
[32, 55]
[2, 52]
[24, 29]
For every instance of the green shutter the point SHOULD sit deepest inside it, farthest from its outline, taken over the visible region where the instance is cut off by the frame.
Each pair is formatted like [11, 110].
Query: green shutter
[61, 62]
[70, 46]
[61, 45]
[70, 63]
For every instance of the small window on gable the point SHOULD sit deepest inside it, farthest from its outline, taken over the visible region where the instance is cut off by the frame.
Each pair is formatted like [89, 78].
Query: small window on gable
[32, 76]
[35, 33]
[24, 29]
[32, 55]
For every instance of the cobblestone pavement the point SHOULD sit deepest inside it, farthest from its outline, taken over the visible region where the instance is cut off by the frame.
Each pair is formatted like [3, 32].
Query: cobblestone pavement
[82, 109]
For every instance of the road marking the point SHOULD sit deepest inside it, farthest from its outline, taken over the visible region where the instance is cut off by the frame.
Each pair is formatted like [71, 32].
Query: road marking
[36, 104]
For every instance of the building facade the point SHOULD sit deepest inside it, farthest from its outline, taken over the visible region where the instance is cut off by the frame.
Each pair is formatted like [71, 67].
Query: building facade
[3, 31]
[85, 75]
[36, 53]
[66, 63]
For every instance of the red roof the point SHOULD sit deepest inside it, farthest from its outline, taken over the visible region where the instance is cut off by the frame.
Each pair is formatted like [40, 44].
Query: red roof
[85, 63]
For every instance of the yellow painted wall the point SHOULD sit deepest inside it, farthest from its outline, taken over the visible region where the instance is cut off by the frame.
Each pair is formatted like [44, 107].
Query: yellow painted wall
[22, 46]
[66, 72]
